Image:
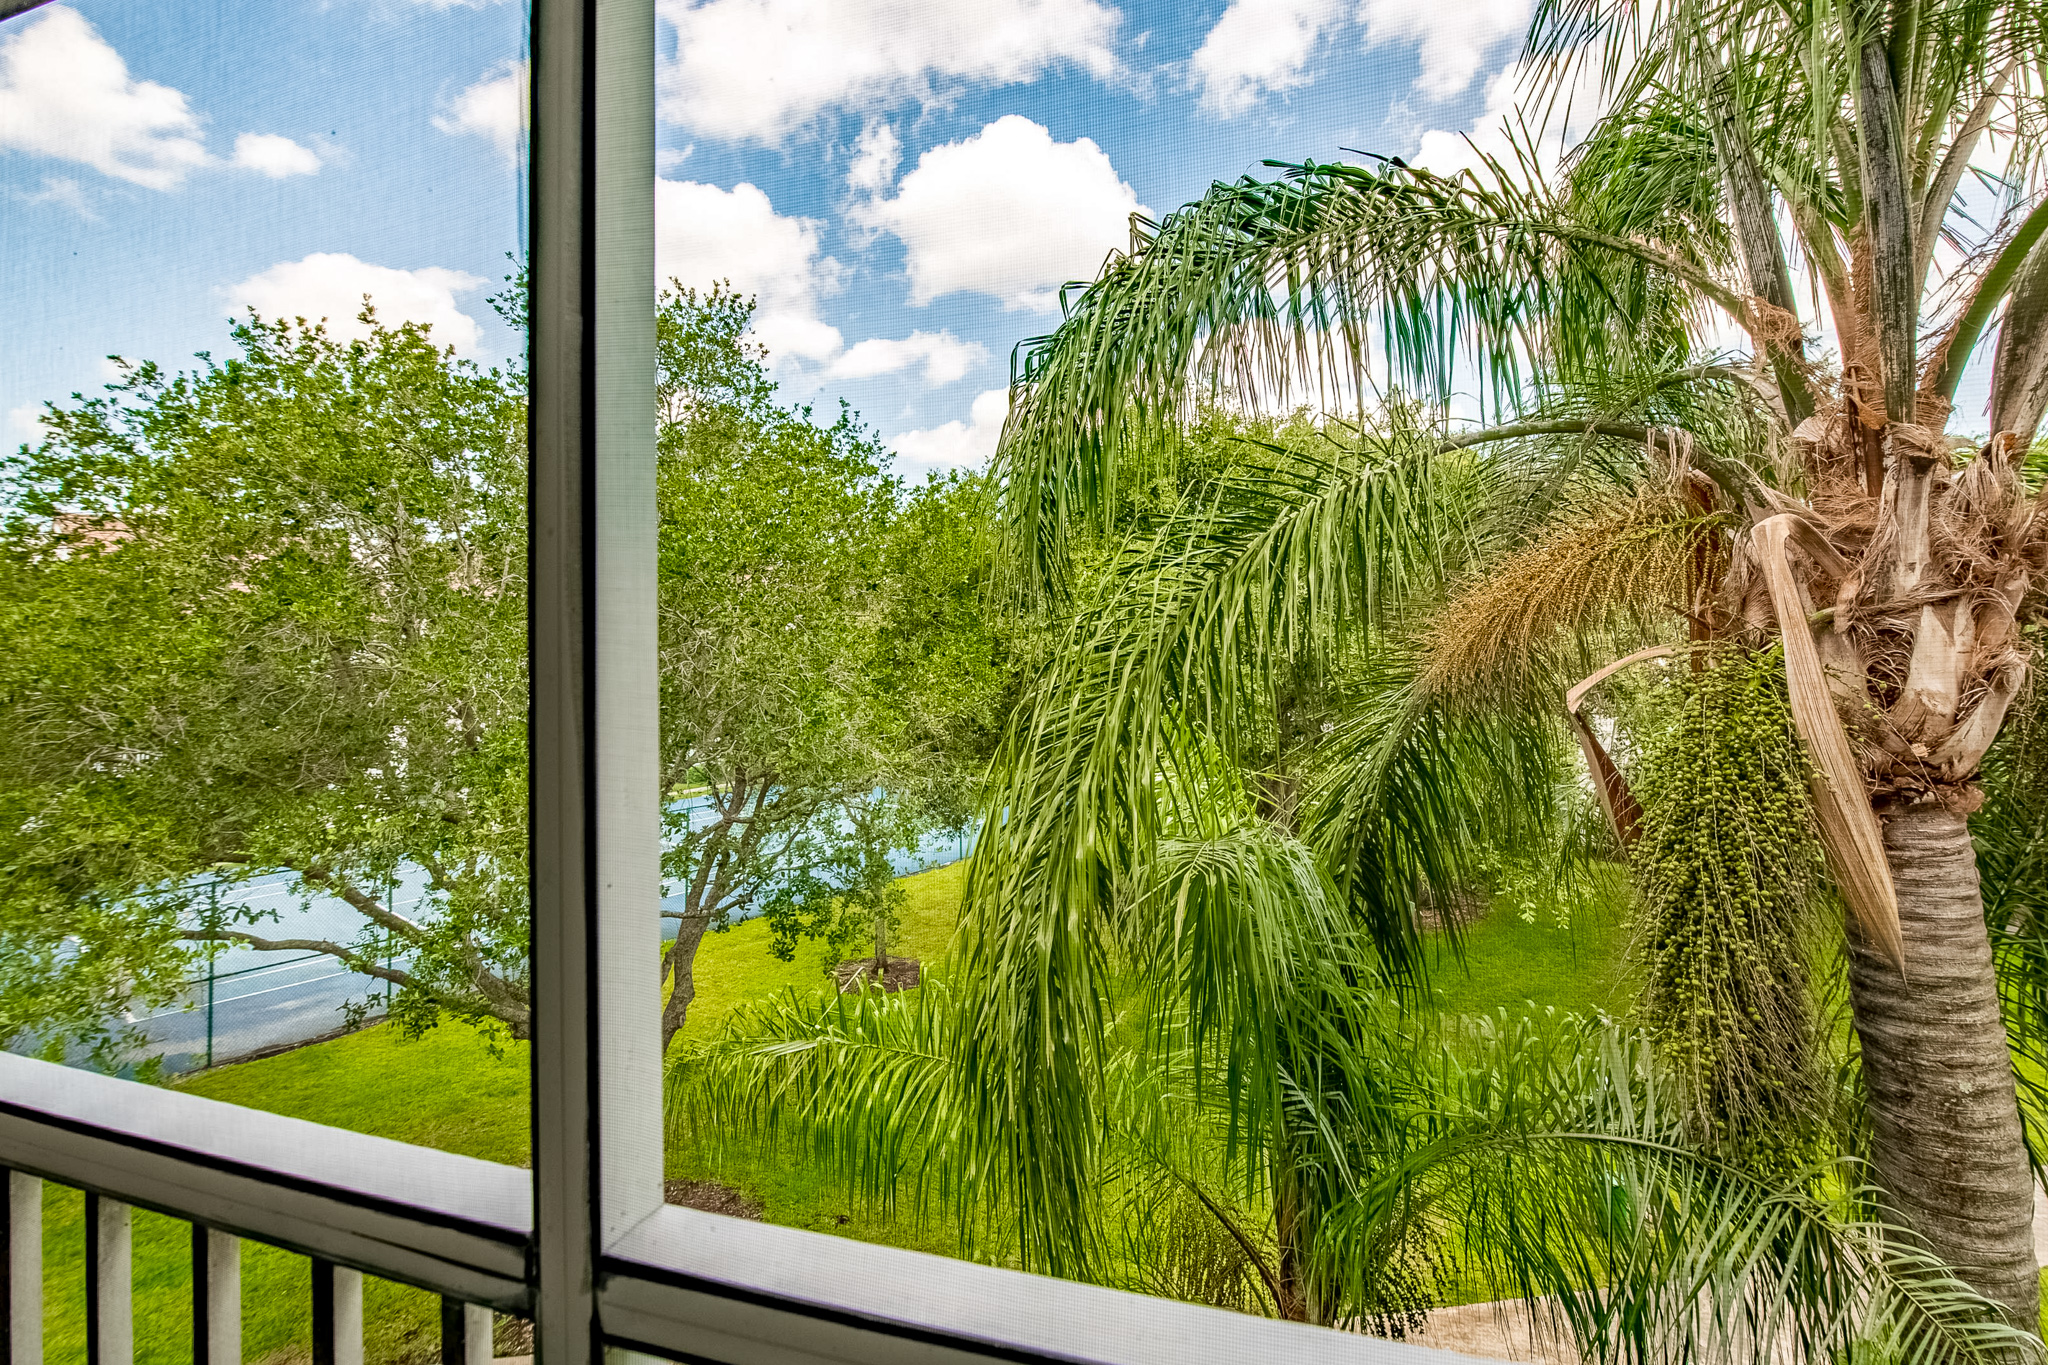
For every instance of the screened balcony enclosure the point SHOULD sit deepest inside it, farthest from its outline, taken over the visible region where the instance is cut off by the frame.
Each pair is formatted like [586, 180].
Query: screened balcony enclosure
[579, 1245]
[1098, 681]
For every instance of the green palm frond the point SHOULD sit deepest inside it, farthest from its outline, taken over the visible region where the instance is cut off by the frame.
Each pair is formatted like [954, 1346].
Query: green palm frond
[1551, 1161]
[1412, 797]
[866, 1084]
[1262, 286]
[1539, 1161]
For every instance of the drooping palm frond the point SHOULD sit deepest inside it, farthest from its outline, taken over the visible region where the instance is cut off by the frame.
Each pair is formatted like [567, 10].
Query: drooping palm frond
[1162, 697]
[1552, 1160]
[1262, 286]
[1539, 1162]
[865, 1084]
[1410, 798]
[1236, 962]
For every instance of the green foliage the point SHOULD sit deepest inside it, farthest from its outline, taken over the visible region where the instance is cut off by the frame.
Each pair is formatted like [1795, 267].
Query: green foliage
[771, 527]
[1727, 863]
[269, 614]
[1538, 1158]
[2012, 858]
[1588, 294]
[830, 678]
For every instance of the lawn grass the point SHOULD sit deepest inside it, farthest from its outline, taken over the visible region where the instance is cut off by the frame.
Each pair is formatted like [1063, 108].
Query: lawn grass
[1520, 959]
[458, 1091]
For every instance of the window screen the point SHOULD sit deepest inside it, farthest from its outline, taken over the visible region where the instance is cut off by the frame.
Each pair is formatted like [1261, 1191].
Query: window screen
[1140, 493]
[265, 578]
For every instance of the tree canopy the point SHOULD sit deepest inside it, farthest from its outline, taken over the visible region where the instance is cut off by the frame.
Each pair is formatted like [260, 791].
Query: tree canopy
[270, 615]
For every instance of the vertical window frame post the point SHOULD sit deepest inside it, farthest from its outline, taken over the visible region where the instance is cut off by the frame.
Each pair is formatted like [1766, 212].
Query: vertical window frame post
[594, 732]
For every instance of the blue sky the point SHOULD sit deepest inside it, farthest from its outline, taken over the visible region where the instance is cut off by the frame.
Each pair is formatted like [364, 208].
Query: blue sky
[903, 184]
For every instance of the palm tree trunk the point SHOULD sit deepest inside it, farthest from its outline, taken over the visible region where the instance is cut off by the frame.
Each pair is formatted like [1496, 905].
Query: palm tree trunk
[1290, 1234]
[1947, 1143]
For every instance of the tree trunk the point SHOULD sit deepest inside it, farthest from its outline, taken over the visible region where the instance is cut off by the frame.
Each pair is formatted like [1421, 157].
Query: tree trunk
[1947, 1143]
[681, 958]
[1289, 1234]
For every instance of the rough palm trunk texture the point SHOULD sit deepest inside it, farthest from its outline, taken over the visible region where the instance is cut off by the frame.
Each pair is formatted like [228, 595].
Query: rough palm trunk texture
[1947, 1125]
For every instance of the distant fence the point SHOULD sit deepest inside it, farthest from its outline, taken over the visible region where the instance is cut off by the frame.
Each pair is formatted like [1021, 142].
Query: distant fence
[250, 1002]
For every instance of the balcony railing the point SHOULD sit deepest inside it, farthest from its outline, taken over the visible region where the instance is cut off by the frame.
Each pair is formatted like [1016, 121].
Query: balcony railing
[681, 1284]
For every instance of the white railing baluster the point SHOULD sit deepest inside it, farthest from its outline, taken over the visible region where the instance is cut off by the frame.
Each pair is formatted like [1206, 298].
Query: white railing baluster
[465, 1333]
[337, 1314]
[477, 1323]
[109, 1282]
[216, 1297]
[21, 1292]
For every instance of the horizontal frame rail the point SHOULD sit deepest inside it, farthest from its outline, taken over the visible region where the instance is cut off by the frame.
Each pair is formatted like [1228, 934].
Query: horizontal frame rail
[698, 1287]
[682, 1284]
[451, 1224]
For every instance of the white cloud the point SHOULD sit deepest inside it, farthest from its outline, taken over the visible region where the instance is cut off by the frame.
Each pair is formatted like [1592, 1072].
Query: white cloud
[1451, 41]
[945, 357]
[63, 190]
[26, 422]
[957, 444]
[875, 158]
[494, 107]
[1007, 212]
[274, 155]
[756, 69]
[65, 92]
[1555, 123]
[331, 286]
[1262, 47]
[1259, 47]
[703, 234]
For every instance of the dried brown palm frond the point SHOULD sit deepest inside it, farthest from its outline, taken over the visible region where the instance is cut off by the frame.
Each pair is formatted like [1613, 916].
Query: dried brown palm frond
[1623, 568]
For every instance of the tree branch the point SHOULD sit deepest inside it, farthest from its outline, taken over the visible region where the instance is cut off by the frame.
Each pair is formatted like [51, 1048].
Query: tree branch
[1887, 218]
[1763, 253]
[347, 956]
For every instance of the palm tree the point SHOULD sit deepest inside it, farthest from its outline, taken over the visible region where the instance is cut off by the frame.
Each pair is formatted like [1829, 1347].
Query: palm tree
[1663, 493]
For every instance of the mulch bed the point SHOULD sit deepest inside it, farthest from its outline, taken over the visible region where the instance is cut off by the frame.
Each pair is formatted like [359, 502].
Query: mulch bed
[1466, 907]
[859, 973]
[711, 1197]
